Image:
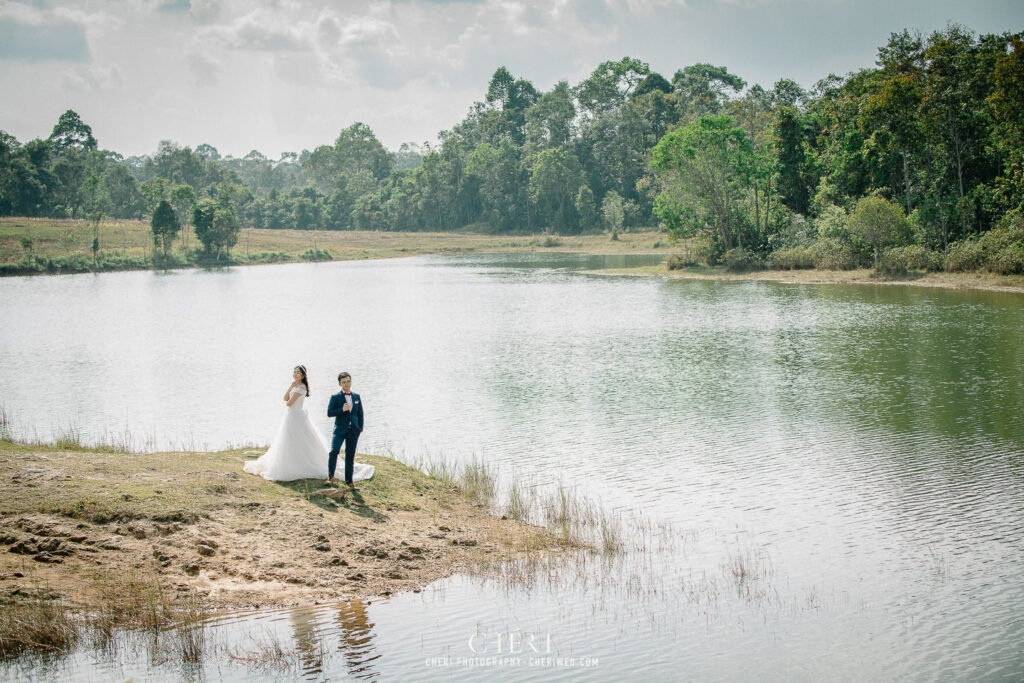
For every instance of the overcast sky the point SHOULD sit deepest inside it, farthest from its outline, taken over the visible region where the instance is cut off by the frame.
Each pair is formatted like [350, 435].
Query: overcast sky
[284, 75]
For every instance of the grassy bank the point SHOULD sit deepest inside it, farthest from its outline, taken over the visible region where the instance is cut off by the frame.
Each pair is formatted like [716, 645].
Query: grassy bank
[65, 246]
[93, 540]
[976, 280]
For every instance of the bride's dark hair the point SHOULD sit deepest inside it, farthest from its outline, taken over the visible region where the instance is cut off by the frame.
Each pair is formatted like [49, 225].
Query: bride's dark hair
[302, 369]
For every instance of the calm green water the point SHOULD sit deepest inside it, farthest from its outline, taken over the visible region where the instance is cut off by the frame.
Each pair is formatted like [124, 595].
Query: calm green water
[860, 447]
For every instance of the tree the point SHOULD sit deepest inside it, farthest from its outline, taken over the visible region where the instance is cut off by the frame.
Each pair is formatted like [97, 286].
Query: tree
[208, 151]
[216, 225]
[202, 223]
[549, 121]
[1007, 101]
[952, 89]
[511, 97]
[704, 170]
[155, 191]
[356, 149]
[183, 199]
[788, 93]
[164, 225]
[122, 192]
[70, 132]
[703, 88]
[585, 207]
[610, 85]
[612, 212]
[878, 222]
[225, 229]
[555, 179]
[653, 82]
[501, 186]
[789, 135]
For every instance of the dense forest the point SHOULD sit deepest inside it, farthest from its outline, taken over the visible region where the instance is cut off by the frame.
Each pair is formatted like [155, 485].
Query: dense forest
[917, 162]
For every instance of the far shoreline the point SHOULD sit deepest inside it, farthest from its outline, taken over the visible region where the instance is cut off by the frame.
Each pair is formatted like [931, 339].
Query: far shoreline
[983, 281]
[64, 242]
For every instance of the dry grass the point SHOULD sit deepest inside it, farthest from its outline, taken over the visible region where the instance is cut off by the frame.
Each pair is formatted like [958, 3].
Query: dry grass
[54, 237]
[125, 539]
[36, 625]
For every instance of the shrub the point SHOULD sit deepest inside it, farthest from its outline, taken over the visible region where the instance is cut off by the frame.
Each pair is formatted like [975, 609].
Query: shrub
[316, 255]
[1003, 246]
[911, 257]
[792, 258]
[963, 256]
[739, 260]
[679, 261]
[1007, 261]
[269, 257]
[831, 254]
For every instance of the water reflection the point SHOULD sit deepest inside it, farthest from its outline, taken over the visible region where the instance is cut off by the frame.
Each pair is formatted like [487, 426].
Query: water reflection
[308, 642]
[356, 639]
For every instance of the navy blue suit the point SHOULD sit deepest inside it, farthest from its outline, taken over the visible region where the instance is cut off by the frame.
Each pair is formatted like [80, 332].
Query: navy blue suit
[348, 424]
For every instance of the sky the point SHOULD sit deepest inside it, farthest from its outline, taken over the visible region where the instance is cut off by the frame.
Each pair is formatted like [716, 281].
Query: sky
[286, 75]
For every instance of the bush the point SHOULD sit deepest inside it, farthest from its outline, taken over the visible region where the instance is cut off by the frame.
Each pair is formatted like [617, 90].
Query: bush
[680, 261]
[1007, 261]
[899, 260]
[1003, 246]
[269, 257]
[963, 256]
[830, 254]
[792, 258]
[739, 260]
[316, 255]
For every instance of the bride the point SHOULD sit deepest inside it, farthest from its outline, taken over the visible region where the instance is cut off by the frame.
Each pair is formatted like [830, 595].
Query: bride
[298, 451]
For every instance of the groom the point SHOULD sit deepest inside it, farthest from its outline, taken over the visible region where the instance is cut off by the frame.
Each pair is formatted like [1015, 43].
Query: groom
[347, 411]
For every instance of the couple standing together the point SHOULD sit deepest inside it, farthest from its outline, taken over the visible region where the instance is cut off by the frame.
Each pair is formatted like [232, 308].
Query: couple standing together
[299, 452]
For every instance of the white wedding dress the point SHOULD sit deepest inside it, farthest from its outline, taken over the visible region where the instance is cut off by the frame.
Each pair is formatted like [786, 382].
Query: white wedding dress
[298, 451]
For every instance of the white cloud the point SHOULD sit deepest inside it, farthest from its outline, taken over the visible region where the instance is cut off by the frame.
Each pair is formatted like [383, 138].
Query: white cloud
[262, 29]
[205, 10]
[204, 68]
[93, 78]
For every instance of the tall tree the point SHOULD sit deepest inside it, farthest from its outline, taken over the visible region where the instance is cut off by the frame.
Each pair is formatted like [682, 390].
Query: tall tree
[70, 132]
[164, 225]
[610, 85]
[705, 170]
[703, 88]
[183, 199]
[555, 179]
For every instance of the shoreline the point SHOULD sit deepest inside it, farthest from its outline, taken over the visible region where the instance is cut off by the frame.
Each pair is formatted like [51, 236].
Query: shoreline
[984, 281]
[65, 239]
[62, 246]
[82, 525]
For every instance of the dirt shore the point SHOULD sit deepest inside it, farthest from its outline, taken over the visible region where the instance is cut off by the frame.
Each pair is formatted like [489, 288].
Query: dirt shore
[77, 525]
[862, 276]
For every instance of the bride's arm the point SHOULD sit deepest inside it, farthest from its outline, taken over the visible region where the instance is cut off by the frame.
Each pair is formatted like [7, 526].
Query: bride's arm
[293, 399]
[288, 392]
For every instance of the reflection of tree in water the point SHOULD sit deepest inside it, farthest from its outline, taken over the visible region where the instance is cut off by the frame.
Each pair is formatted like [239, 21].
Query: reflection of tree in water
[308, 644]
[357, 639]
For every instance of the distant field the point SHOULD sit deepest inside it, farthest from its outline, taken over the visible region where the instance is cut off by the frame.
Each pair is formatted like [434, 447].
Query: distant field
[57, 238]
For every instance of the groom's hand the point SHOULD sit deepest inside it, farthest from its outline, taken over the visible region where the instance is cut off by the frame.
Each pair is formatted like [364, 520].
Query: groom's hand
[346, 408]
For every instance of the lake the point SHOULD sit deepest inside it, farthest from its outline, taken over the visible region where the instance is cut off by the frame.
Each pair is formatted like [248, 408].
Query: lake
[830, 478]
